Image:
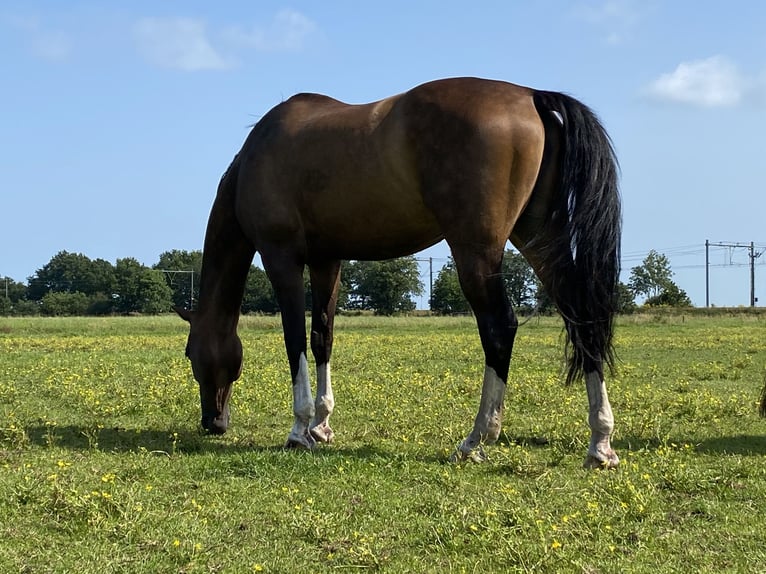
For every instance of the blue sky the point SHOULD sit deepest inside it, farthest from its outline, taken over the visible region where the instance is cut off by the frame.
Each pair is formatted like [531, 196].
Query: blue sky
[119, 118]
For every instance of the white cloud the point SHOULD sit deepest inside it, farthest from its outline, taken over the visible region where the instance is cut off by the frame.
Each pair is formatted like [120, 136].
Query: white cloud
[180, 43]
[616, 19]
[51, 45]
[713, 82]
[184, 43]
[286, 33]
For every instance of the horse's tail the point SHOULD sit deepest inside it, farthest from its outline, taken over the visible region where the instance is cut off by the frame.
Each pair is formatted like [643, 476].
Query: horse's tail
[584, 258]
[762, 407]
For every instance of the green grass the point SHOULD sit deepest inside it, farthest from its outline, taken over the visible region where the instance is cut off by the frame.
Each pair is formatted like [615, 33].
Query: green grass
[103, 468]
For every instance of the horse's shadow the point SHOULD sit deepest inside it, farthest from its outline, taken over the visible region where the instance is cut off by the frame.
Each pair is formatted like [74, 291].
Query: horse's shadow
[740, 445]
[170, 441]
[120, 439]
[187, 441]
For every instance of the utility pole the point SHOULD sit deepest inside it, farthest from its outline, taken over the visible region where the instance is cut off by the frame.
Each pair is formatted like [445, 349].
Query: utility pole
[707, 273]
[431, 281]
[752, 255]
[191, 282]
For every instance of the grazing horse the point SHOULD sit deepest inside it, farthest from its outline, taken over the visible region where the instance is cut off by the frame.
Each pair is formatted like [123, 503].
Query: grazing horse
[474, 162]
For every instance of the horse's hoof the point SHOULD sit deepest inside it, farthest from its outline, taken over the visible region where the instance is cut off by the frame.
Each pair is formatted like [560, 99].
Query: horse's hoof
[306, 442]
[594, 463]
[476, 455]
[323, 433]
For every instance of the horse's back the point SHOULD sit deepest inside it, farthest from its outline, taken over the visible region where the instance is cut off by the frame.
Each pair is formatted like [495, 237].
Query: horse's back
[477, 99]
[341, 174]
[382, 179]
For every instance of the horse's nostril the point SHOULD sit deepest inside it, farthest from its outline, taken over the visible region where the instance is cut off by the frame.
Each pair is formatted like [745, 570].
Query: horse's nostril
[215, 425]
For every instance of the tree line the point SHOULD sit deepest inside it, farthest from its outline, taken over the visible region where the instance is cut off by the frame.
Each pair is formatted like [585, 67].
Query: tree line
[74, 284]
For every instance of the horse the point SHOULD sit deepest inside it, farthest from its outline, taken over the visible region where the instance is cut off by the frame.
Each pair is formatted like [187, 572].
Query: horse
[471, 161]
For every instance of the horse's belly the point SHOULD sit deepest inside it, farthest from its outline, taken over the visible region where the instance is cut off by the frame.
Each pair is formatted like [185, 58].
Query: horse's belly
[371, 223]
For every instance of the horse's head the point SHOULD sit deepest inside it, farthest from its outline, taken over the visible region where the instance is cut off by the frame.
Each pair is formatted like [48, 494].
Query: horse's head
[216, 361]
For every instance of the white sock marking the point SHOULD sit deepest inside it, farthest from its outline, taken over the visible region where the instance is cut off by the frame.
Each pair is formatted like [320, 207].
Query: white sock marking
[303, 402]
[325, 402]
[489, 419]
[600, 419]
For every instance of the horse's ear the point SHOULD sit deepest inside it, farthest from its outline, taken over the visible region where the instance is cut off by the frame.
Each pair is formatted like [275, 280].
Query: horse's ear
[185, 314]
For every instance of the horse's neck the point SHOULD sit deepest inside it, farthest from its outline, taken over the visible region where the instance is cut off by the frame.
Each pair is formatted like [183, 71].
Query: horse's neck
[226, 260]
[220, 298]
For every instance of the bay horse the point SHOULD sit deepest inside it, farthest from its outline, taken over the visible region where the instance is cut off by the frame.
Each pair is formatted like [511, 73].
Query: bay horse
[472, 161]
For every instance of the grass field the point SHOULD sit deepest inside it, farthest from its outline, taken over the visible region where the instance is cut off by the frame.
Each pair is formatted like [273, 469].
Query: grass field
[103, 468]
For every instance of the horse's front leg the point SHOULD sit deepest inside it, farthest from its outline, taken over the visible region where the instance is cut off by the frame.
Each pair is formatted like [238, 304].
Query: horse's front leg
[287, 280]
[303, 406]
[325, 281]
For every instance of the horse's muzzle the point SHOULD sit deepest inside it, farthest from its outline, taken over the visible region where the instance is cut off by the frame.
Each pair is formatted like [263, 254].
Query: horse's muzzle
[215, 409]
[216, 424]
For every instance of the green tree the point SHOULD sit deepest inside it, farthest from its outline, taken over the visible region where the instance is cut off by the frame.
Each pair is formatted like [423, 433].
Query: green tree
[385, 287]
[101, 279]
[25, 307]
[653, 280]
[626, 303]
[139, 289]
[156, 296]
[520, 280]
[521, 285]
[651, 277]
[259, 294]
[12, 291]
[544, 304]
[343, 291]
[672, 296]
[446, 295]
[71, 272]
[181, 284]
[57, 304]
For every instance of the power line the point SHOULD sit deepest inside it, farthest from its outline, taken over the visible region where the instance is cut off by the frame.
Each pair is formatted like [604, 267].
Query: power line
[191, 282]
[752, 256]
[430, 261]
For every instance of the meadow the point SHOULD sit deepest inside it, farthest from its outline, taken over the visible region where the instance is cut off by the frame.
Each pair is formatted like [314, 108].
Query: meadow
[103, 468]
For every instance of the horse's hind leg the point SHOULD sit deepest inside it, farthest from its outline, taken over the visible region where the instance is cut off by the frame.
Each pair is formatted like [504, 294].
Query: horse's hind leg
[286, 276]
[325, 280]
[600, 418]
[601, 422]
[482, 283]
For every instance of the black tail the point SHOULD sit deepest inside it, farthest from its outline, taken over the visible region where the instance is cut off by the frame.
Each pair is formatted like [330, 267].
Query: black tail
[762, 407]
[585, 257]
